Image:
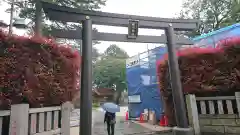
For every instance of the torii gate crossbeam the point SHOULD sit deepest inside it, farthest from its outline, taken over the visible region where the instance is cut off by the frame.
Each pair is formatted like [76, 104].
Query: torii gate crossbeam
[67, 14]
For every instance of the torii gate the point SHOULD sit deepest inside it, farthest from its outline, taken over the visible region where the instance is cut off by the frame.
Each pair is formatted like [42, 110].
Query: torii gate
[87, 18]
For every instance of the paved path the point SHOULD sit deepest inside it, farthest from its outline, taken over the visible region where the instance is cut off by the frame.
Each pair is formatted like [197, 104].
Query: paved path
[76, 114]
[122, 127]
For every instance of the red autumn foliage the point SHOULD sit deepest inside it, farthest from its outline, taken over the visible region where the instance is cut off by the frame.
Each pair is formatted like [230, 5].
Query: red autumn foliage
[36, 71]
[203, 70]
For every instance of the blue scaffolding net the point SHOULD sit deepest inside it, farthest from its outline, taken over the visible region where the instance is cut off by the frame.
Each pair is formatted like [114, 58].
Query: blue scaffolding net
[212, 38]
[143, 89]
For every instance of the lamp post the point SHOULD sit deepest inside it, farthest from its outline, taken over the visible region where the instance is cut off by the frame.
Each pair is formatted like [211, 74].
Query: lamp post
[38, 18]
[11, 18]
[17, 23]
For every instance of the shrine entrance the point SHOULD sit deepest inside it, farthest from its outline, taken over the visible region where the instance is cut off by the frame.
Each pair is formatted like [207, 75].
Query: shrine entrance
[88, 18]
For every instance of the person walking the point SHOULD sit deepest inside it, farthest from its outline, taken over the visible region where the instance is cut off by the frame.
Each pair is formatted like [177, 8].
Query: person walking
[110, 116]
[110, 119]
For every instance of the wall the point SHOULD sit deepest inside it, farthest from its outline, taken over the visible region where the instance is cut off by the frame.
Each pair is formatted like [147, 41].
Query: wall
[229, 123]
[214, 114]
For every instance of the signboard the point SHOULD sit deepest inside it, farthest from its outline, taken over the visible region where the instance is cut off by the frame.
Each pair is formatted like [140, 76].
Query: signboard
[133, 61]
[152, 56]
[134, 99]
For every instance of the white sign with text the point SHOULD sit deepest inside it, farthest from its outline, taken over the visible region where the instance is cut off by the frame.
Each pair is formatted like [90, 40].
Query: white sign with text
[133, 61]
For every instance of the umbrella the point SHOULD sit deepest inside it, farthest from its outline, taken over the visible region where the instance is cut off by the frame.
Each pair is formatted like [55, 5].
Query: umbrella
[111, 107]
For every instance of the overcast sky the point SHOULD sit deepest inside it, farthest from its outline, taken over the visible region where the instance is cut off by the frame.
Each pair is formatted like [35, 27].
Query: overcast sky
[154, 8]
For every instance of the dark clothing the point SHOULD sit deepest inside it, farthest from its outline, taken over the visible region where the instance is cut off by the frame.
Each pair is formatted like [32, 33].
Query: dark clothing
[110, 128]
[109, 117]
[110, 120]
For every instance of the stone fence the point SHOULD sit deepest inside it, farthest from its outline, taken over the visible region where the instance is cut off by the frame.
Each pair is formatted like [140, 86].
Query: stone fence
[219, 114]
[22, 120]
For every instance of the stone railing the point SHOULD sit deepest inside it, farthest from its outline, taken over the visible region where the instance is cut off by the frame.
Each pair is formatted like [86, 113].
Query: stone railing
[214, 114]
[22, 120]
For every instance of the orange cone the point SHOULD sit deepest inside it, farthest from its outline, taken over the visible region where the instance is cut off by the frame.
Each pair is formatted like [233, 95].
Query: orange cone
[163, 121]
[126, 116]
[141, 118]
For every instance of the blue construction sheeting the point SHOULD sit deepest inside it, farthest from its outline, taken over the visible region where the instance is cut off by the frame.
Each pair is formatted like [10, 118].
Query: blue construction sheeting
[142, 78]
[142, 82]
[212, 38]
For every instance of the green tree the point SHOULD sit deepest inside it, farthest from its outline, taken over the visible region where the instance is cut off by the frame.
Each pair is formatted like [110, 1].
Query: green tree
[26, 9]
[115, 52]
[214, 14]
[110, 70]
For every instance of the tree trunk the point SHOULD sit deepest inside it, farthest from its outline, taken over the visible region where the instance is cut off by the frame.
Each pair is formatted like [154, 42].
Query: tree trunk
[119, 95]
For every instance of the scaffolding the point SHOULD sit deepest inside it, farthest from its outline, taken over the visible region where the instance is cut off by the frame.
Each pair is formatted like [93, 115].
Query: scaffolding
[142, 82]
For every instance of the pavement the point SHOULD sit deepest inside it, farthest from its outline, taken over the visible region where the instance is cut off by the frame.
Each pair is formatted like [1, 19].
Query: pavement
[76, 115]
[155, 128]
[122, 127]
